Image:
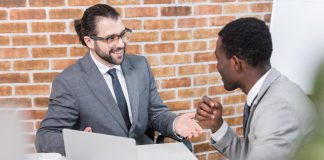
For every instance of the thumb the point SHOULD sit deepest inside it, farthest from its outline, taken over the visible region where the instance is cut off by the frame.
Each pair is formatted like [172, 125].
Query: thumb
[191, 115]
[88, 129]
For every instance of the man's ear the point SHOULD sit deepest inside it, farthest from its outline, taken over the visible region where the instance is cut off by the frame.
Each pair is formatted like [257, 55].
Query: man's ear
[89, 42]
[238, 63]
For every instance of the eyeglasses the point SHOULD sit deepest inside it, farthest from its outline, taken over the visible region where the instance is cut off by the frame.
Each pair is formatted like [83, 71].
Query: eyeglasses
[113, 39]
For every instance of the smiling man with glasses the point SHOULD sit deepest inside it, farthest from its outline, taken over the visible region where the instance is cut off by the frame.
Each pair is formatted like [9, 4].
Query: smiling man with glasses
[108, 91]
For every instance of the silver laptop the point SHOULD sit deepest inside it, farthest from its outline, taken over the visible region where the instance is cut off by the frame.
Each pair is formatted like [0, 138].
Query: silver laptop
[81, 145]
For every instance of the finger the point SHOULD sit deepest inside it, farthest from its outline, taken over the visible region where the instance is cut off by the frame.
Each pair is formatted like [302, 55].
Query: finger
[195, 134]
[191, 115]
[198, 127]
[208, 101]
[88, 129]
[204, 114]
[204, 106]
[200, 118]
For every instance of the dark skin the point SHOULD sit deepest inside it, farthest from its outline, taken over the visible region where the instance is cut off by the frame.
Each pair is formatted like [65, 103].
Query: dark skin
[236, 73]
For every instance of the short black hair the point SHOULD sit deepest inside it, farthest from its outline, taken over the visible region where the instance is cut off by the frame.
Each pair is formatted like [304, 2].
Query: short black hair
[248, 39]
[88, 23]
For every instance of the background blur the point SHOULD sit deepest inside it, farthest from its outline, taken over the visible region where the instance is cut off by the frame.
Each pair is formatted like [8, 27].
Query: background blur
[178, 37]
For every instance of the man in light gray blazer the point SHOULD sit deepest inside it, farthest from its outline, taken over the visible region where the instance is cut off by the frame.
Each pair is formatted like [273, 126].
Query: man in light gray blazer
[108, 91]
[277, 114]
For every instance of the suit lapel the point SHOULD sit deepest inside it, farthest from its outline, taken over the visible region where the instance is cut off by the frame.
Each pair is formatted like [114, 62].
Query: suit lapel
[273, 75]
[100, 89]
[132, 87]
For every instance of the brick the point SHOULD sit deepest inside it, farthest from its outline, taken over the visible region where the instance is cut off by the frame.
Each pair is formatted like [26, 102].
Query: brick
[62, 64]
[212, 45]
[32, 90]
[234, 99]
[31, 65]
[144, 36]
[176, 11]
[235, 8]
[202, 157]
[18, 27]
[6, 53]
[24, 14]
[176, 82]
[3, 15]
[196, 101]
[159, 48]
[159, 24]
[208, 9]
[4, 66]
[41, 101]
[192, 92]
[141, 12]
[191, 1]
[5, 91]
[239, 131]
[47, 3]
[83, 3]
[133, 49]
[234, 121]
[228, 111]
[168, 95]
[192, 22]
[133, 24]
[123, 2]
[204, 57]
[153, 60]
[205, 33]
[176, 35]
[49, 52]
[221, 20]
[212, 68]
[12, 3]
[215, 156]
[65, 13]
[193, 69]
[164, 72]
[201, 137]
[239, 110]
[217, 90]
[29, 139]
[176, 59]
[207, 79]
[78, 51]
[15, 102]
[267, 18]
[159, 1]
[48, 26]
[192, 46]
[261, 7]
[14, 78]
[4, 40]
[64, 39]
[223, 0]
[32, 114]
[29, 40]
[44, 77]
[179, 105]
[203, 147]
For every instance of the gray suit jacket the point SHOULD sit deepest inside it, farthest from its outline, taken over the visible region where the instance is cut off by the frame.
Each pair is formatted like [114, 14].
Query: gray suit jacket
[280, 118]
[80, 98]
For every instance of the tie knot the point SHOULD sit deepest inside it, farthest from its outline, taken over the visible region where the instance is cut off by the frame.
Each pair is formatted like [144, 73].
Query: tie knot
[112, 72]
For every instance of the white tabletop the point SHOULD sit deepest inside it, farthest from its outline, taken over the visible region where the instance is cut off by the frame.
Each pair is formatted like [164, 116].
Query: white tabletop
[44, 156]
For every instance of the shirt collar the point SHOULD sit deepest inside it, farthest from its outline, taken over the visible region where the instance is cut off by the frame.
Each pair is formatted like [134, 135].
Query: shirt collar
[256, 89]
[103, 68]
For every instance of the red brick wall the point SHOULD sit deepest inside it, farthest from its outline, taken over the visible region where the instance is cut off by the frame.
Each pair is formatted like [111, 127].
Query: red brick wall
[178, 37]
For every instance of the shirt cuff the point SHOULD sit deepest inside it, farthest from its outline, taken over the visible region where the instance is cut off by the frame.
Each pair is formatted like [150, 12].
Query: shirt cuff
[220, 133]
[174, 131]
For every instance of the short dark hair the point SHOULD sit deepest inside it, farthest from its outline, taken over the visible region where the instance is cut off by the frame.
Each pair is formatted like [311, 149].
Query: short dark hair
[248, 39]
[88, 23]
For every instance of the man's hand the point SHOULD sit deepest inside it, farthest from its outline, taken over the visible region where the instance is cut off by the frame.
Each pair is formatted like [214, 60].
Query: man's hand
[186, 125]
[209, 113]
[88, 129]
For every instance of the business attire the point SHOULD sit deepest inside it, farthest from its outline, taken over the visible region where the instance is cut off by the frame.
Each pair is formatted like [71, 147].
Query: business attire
[83, 95]
[279, 117]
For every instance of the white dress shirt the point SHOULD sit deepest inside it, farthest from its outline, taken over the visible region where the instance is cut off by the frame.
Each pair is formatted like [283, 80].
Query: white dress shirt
[103, 70]
[219, 134]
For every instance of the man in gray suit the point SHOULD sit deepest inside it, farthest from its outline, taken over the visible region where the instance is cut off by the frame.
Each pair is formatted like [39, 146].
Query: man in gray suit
[108, 91]
[277, 114]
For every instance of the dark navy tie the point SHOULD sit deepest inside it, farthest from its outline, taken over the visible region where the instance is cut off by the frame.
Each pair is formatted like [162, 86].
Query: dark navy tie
[121, 101]
[246, 114]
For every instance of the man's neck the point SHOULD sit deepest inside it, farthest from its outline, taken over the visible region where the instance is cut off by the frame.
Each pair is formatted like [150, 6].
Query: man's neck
[252, 76]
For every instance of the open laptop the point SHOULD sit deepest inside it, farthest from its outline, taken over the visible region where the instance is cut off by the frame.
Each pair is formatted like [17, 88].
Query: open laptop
[81, 145]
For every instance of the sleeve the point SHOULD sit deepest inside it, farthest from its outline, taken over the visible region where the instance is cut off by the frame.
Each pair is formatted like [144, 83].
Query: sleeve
[62, 113]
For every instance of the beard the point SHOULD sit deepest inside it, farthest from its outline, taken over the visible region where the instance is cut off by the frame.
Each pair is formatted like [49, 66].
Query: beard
[107, 56]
